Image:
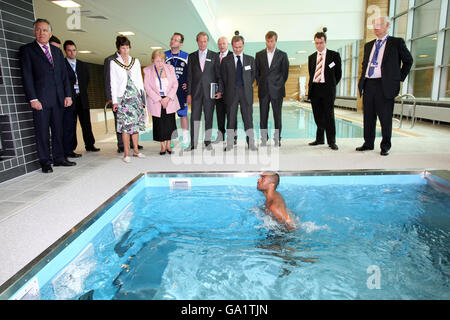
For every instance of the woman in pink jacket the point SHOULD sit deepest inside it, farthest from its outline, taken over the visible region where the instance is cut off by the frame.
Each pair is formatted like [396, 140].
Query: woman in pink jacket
[161, 84]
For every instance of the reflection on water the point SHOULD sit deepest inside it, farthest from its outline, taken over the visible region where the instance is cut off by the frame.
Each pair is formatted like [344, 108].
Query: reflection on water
[298, 123]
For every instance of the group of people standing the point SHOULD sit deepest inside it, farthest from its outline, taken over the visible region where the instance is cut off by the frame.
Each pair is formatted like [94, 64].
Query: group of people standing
[206, 80]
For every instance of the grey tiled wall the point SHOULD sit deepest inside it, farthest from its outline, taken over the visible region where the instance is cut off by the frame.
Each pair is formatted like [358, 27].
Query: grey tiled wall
[19, 155]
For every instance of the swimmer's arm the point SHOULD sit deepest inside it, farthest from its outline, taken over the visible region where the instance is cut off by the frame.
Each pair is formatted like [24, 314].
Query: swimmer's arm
[283, 217]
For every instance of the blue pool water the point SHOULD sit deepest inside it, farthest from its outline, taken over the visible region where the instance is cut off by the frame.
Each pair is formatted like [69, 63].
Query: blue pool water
[213, 241]
[298, 123]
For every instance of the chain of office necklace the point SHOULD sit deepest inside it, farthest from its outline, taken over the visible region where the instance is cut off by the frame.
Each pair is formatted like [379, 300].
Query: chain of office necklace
[128, 67]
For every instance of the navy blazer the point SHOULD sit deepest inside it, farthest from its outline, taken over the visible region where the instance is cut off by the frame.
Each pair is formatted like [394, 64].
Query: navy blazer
[83, 81]
[49, 84]
[396, 64]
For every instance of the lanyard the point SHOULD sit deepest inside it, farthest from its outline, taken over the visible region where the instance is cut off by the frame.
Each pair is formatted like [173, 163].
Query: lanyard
[175, 59]
[159, 78]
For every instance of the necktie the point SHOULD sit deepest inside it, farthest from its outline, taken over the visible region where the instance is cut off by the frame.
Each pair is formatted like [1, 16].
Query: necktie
[221, 57]
[48, 55]
[239, 80]
[77, 88]
[374, 61]
[318, 74]
[202, 60]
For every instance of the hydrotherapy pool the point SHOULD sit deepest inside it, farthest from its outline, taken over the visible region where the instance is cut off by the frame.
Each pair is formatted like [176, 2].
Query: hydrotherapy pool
[298, 123]
[362, 235]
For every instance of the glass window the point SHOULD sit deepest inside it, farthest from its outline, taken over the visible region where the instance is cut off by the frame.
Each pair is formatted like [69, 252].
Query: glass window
[444, 93]
[401, 6]
[426, 18]
[400, 24]
[421, 83]
[424, 51]
[446, 60]
[448, 16]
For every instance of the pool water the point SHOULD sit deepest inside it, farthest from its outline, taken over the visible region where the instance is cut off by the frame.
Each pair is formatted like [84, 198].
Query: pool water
[298, 123]
[167, 244]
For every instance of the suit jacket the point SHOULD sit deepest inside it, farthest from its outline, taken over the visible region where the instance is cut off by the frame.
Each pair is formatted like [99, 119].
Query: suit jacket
[152, 90]
[41, 80]
[228, 78]
[272, 80]
[396, 64]
[107, 76]
[83, 81]
[199, 83]
[332, 74]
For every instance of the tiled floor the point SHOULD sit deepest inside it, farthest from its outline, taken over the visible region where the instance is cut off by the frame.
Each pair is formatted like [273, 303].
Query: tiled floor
[37, 209]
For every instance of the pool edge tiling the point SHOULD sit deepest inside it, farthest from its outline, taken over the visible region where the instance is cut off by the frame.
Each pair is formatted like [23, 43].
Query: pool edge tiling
[27, 282]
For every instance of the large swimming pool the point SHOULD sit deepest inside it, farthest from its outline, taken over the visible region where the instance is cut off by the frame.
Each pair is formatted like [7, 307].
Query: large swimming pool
[361, 235]
[298, 123]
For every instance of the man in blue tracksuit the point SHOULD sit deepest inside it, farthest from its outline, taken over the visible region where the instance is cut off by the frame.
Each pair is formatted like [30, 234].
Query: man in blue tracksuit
[179, 60]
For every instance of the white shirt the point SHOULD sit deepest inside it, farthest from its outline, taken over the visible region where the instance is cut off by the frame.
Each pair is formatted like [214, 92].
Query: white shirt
[377, 71]
[119, 78]
[324, 57]
[236, 59]
[270, 56]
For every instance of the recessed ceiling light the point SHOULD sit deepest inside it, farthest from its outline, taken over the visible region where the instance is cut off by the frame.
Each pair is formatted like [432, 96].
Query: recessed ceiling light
[292, 58]
[126, 33]
[156, 48]
[434, 39]
[84, 51]
[67, 4]
[301, 51]
[423, 55]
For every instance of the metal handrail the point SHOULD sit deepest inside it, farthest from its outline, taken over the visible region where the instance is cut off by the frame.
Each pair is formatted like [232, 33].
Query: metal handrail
[106, 120]
[413, 117]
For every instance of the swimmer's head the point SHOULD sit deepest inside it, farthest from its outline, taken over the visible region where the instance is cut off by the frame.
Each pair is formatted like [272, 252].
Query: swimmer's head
[268, 180]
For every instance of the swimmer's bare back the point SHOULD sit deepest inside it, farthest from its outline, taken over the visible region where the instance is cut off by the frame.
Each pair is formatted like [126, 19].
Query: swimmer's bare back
[277, 207]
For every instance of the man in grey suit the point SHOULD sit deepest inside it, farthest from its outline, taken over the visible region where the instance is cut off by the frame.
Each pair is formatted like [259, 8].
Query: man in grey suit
[237, 76]
[203, 70]
[107, 80]
[272, 70]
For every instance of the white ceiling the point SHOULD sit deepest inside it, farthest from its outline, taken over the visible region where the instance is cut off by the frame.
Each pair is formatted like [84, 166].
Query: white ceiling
[154, 22]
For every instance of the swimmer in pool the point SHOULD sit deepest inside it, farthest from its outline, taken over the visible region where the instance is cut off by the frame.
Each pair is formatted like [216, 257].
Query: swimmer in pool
[275, 204]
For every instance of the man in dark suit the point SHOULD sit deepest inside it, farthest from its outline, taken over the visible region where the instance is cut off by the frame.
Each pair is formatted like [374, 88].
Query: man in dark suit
[325, 72]
[107, 84]
[79, 80]
[47, 88]
[221, 107]
[386, 63]
[203, 70]
[237, 75]
[272, 70]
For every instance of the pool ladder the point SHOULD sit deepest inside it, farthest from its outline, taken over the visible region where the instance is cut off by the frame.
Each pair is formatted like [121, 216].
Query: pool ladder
[413, 116]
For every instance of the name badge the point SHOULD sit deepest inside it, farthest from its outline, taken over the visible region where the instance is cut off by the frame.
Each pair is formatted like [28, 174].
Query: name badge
[209, 60]
[331, 65]
[248, 68]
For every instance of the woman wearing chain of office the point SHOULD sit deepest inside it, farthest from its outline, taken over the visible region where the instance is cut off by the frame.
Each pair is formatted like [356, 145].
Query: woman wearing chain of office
[128, 97]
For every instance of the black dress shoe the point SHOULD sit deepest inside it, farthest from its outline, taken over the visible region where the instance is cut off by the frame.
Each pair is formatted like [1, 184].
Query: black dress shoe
[316, 143]
[65, 163]
[140, 147]
[119, 149]
[47, 168]
[334, 146]
[162, 153]
[92, 149]
[384, 152]
[363, 148]
[73, 155]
